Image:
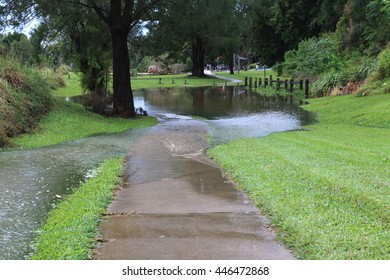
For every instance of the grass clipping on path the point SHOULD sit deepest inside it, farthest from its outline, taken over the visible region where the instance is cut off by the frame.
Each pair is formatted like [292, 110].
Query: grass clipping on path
[70, 229]
[326, 190]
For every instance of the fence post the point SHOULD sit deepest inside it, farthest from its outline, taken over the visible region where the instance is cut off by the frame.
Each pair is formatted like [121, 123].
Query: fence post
[271, 82]
[159, 81]
[256, 82]
[265, 82]
[292, 85]
[259, 82]
[307, 89]
[277, 84]
[286, 84]
[246, 81]
[301, 84]
[250, 82]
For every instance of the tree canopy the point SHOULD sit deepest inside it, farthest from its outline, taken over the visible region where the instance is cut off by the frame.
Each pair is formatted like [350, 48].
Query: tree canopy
[100, 35]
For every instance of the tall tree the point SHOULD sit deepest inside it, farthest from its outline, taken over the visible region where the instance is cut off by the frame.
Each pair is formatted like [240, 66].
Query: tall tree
[193, 24]
[120, 16]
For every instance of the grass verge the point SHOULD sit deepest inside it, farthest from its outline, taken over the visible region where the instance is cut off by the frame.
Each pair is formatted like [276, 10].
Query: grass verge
[70, 230]
[326, 189]
[71, 121]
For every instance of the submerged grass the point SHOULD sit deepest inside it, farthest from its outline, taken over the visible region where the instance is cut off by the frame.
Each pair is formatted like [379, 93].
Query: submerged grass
[70, 230]
[326, 189]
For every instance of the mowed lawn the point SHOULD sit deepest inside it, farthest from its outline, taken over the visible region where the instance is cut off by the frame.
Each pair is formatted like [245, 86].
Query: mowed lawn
[326, 189]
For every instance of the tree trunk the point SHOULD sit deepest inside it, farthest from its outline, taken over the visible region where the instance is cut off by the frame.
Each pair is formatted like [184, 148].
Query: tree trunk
[123, 94]
[231, 65]
[198, 53]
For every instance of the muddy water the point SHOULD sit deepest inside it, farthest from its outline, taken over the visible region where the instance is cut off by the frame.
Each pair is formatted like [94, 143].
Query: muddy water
[231, 112]
[33, 181]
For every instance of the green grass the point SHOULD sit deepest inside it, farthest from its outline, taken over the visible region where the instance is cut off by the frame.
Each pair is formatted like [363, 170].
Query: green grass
[70, 230]
[71, 121]
[24, 98]
[72, 88]
[180, 80]
[326, 189]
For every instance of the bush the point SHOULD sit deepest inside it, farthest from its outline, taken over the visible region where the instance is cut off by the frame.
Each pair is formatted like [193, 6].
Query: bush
[325, 83]
[383, 64]
[64, 69]
[313, 57]
[24, 99]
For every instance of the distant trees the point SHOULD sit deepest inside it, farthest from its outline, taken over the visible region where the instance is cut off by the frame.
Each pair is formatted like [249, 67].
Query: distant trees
[197, 26]
[18, 46]
[100, 32]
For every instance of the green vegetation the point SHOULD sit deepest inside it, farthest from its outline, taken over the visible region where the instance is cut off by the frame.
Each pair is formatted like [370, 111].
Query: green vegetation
[325, 189]
[71, 121]
[24, 99]
[180, 80]
[70, 229]
[72, 86]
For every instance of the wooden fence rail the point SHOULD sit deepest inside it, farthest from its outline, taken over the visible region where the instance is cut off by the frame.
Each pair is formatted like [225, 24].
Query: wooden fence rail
[289, 84]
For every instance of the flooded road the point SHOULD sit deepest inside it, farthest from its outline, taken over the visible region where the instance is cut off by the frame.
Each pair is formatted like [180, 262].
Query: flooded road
[33, 181]
[176, 205]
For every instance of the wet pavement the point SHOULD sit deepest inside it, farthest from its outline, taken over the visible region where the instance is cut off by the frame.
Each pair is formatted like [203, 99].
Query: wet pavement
[175, 204]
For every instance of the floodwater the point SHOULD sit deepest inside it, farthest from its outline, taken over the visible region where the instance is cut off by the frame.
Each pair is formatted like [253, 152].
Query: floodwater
[231, 112]
[33, 181]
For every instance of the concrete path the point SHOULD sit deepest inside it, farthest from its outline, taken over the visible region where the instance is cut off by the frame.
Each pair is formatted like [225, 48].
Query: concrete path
[175, 204]
[211, 74]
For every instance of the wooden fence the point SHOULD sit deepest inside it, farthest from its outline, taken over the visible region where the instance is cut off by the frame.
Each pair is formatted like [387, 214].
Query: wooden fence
[287, 84]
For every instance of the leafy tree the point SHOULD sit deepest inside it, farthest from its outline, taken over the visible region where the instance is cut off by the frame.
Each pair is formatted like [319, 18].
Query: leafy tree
[195, 25]
[278, 26]
[119, 16]
[18, 46]
[378, 25]
[37, 38]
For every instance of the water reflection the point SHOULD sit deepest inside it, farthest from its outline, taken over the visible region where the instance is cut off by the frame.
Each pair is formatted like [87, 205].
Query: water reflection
[32, 180]
[231, 112]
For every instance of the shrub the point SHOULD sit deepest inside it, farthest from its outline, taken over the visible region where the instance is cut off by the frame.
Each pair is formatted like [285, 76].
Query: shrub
[383, 65]
[312, 57]
[24, 99]
[325, 83]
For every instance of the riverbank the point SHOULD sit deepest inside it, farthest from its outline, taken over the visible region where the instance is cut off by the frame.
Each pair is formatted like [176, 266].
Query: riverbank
[325, 189]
